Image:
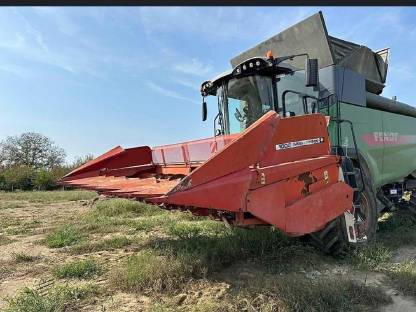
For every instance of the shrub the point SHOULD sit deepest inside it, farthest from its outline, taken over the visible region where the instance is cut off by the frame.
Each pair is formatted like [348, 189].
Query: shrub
[44, 180]
[18, 177]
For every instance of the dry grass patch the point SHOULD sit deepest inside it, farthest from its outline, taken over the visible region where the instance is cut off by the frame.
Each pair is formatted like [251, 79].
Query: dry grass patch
[4, 240]
[25, 227]
[284, 293]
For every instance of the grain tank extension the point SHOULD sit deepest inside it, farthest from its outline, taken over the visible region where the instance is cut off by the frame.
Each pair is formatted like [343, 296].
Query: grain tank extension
[303, 141]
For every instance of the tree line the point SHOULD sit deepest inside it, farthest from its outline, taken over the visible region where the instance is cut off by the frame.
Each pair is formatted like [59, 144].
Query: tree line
[33, 161]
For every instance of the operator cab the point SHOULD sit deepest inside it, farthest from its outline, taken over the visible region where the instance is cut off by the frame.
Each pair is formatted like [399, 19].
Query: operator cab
[259, 85]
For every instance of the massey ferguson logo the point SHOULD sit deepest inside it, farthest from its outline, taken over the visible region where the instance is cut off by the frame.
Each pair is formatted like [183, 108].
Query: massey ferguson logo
[295, 144]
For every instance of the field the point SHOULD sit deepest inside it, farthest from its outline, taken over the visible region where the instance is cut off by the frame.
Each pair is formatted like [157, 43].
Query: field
[73, 251]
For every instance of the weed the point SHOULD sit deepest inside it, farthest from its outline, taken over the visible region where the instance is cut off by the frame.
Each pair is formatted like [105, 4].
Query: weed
[403, 277]
[117, 207]
[78, 269]
[149, 270]
[371, 257]
[107, 244]
[63, 236]
[22, 257]
[58, 299]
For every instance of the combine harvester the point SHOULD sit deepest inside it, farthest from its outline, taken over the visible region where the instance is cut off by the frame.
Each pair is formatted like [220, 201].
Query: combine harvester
[310, 149]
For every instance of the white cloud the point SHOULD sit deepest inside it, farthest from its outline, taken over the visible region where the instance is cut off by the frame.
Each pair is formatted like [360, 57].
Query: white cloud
[194, 67]
[169, 93]
[219, 24]
[186, 83]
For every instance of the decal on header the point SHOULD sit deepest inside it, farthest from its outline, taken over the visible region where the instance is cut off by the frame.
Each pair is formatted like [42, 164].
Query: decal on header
[301, 143]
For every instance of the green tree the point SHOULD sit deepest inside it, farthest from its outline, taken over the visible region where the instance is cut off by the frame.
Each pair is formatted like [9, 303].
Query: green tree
[44, 180]
[18, 177]
[32, 150]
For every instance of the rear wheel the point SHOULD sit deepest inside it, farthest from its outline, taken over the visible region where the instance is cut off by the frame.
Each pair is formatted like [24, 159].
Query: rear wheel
[333, 238]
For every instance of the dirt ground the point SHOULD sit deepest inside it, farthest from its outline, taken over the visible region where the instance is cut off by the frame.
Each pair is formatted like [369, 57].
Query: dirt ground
[25, 224]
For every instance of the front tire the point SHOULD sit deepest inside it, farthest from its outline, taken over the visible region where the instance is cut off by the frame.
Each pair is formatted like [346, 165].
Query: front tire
[333, 238]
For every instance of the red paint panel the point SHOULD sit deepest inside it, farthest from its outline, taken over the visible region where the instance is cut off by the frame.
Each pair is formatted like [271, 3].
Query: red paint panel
[113, 159]
[268, 204]
[304, 216]
[295, 129]
[313, 212]
[286, 170]
[236, 155]
[226, 193]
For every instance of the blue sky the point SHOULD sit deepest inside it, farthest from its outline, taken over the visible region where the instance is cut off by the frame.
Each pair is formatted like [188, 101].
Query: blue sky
[92, 78]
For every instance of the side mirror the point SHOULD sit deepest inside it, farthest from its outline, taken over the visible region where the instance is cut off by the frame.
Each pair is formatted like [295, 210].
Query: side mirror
[312, 72]
[204, 110]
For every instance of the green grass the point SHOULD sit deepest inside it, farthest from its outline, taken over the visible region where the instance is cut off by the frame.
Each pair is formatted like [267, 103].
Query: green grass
[374, 256]
[22, 257]
[117, 207]
[215, 246]
[397, 229]
[167, 263]
[177, 251]
[59, 299]
[47, 197]
[63, 236]
[78, 269]
[116, 215]
[403, 277]
[107, 244]
[149, 270]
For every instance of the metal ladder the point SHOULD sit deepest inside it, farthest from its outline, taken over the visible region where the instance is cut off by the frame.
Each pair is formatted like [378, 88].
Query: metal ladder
[353, 175]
